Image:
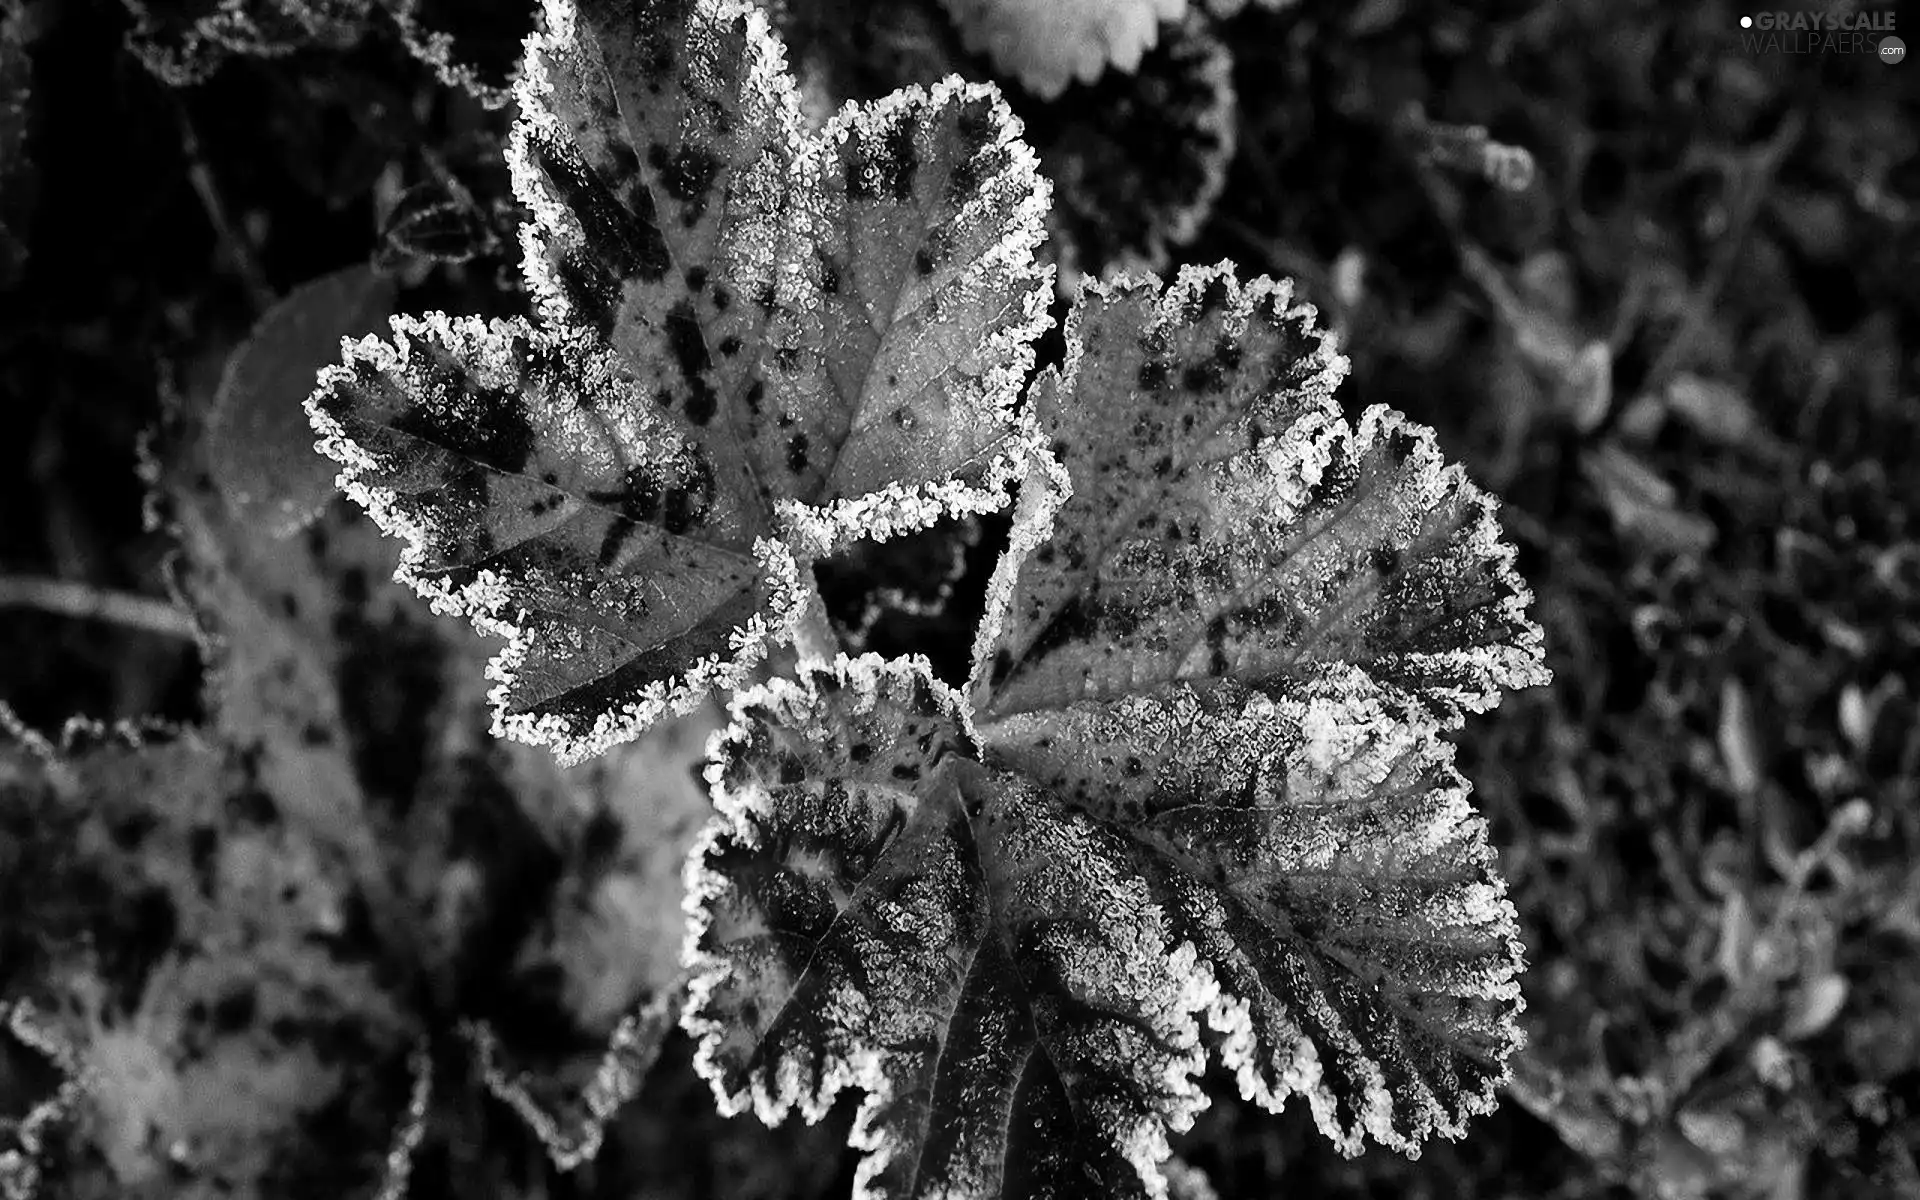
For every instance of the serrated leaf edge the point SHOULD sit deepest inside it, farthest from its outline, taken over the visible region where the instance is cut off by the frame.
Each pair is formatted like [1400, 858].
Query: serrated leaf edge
[485, 601]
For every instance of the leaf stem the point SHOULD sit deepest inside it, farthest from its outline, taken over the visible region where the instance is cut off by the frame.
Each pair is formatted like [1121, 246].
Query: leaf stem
[239, 252]
[813, 635]
[69, 598]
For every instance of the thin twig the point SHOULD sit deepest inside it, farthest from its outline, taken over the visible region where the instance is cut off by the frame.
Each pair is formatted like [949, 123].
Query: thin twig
[259, 291]
[69, 598]
[1764, 165]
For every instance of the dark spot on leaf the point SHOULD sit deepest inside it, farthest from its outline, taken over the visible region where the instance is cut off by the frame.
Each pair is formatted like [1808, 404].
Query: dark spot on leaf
[797, 453]
[133, 829]
[235, 1010]
[696, 278]
[886, 170]
[689, 348]
[1076, 621]
[252, 806]
[687, 174]
[1217, 646]
[1154, 374]
[487, 427]
[1385, 560]
[1002, 666]
[976, 126]
[611, 541]
[624, 236]
[1204, 377]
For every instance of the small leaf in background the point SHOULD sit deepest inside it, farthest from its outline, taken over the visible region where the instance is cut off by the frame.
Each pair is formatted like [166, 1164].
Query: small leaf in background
[204, 955]
[541, 905]
[1739, 747]
[1738, 938]
[1644, 506]
[1047, 44]
[1465, 148]
[431, 224]
[1717, 411]
[1587, 393]
[1813, 1005]
[261, 444]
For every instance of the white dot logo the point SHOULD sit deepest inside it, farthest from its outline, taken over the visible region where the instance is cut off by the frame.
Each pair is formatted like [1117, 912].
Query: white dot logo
[1892, 50]
[1746, 22]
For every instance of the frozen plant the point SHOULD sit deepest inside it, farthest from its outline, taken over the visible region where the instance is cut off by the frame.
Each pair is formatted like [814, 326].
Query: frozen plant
[1194, 796]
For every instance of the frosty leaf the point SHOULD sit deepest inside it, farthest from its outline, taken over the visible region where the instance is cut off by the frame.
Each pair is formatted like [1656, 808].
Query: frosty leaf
[756, 345]
[972, 932]
[1219, 521]
[1320, 853]
[877, 908]
[1047, 44]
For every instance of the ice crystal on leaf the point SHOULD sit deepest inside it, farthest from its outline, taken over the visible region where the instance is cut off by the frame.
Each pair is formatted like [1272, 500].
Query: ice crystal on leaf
[755, 345]
[1197, 781]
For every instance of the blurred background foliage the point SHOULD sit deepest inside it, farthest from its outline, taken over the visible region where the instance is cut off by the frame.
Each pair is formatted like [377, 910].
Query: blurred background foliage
[1658, 292]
